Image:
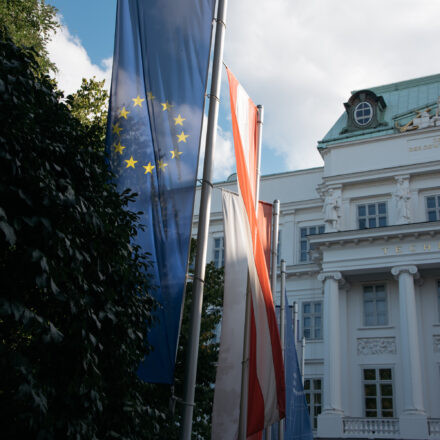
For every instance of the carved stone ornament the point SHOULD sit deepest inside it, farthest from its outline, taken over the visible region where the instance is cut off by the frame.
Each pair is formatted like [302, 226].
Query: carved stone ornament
[373, 346]
[436, 341]
[332, 210]
[424, 119]
[402, 198]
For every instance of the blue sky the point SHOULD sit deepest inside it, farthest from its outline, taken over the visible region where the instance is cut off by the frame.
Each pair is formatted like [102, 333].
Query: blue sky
[300, 60]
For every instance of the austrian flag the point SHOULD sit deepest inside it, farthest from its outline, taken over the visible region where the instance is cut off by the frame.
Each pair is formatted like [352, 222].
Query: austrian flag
[246, 270]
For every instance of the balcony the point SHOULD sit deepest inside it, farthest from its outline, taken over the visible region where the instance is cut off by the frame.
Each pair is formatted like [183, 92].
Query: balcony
[369, 427]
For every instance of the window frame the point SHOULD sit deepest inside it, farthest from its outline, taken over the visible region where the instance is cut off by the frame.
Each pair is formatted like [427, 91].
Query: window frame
[312, 315]
[311, 404]
[220, 262]
[436, 208]
[364, 320]
[376, 216]
[378, 382]
[320, 229]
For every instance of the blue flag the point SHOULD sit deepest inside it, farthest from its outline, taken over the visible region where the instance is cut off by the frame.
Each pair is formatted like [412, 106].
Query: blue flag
[297, 423]
[160, 67]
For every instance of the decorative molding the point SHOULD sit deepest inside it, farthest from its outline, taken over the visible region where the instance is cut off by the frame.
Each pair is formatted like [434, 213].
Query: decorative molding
[337, 276]
[412, 270]
[436, 342]
[374, 346]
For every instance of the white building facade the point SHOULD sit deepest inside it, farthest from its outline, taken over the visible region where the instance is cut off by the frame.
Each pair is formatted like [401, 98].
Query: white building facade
[361, 240]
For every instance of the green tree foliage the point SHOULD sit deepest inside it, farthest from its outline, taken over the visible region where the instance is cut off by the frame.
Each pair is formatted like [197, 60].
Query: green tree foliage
[73, 307]
[30, 23]
[89, 105]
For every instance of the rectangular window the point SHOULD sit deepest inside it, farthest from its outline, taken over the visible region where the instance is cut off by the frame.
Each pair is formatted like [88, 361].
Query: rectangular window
[312, 320]
[304, 245]
[433, 208]
[375, 305]
[219, 252]
[378, 392]
[313, 392]
[372, 215]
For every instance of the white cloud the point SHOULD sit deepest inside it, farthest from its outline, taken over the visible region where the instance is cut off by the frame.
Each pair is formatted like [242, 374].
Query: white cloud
[301, 59]
[73, 62]
[224, 157]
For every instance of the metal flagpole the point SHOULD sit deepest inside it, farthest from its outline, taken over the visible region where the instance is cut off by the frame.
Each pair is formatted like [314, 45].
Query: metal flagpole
[242, 429]
[273, 271]
[203, 226]
[282, 329]
[303, 356]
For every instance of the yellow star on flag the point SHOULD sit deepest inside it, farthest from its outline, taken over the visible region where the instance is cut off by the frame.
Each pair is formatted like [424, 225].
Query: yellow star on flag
[165, 105]
[179, 120]
[138, 101]
[161, 165]
[149, 168]
[130, 162]
[116, 128]
[150, 95]
[119, 147]
[123, 113]
[182, 137]
[175, 154]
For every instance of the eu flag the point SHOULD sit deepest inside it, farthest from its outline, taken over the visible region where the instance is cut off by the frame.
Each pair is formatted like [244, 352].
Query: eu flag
[157, 95]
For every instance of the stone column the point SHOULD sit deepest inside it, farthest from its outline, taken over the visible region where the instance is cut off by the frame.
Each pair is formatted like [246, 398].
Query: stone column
[330, 421]
[413, 422]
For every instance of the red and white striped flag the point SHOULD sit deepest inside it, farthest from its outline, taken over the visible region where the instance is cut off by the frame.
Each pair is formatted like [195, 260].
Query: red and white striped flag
[245, 257]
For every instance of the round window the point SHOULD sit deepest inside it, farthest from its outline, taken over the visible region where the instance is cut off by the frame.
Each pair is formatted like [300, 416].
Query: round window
[363, 113]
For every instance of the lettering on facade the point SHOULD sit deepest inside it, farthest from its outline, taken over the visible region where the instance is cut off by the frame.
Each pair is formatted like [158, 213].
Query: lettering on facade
[431, 146]
[425, 247]
[373, 346]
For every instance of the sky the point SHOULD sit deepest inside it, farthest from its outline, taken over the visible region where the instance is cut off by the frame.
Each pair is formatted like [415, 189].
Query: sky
[299, 58]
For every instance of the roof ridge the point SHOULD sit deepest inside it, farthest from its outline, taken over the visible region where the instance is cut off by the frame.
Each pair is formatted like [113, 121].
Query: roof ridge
[406, 84]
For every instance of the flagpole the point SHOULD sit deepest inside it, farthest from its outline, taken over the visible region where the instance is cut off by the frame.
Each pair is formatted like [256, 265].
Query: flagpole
[282, 330]
[203, 226]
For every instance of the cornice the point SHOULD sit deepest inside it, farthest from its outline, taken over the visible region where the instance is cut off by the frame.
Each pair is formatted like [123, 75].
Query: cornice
[388, 233]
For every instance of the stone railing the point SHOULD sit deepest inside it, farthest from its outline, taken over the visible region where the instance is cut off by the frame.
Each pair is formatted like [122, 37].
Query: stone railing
[369, 427]
[434, 428]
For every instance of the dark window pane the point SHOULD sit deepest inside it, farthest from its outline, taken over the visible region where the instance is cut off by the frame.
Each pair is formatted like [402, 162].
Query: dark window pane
[318, 400]
[371, 413]
[307, 307]
[317, 384]
[362, 224]
[387, 403]
[303, 256]
[317, 333]
[307, 333]
[372, 209]
[369, 374]
[432, 216]
[382, 208]
[370, 403]
[385, 374]
[312, 230]
[386, 390]
[303, 232]
[370, 390]
[307, 384]
[382, 221]
[371, 222]
[303, 245]
[321, 229]
[317, 307]
[361, 210]
[430, 202]
[387, 414]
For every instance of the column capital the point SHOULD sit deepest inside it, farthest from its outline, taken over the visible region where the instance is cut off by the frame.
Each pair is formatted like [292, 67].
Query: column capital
[337, 276]
[411, 269]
